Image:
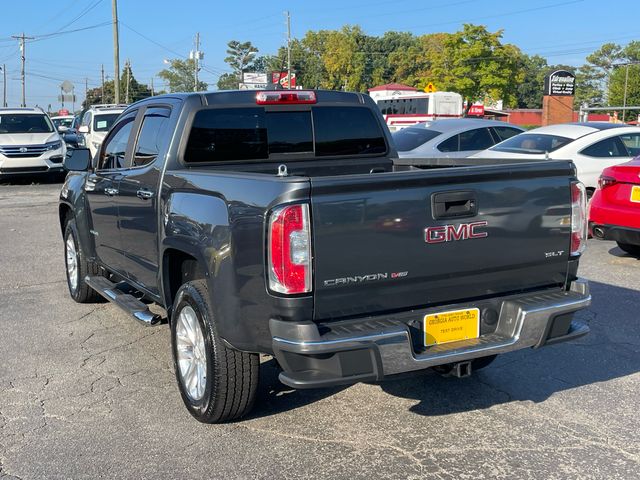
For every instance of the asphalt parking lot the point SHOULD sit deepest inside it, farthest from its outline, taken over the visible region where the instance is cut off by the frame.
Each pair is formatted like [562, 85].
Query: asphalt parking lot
[86, 392]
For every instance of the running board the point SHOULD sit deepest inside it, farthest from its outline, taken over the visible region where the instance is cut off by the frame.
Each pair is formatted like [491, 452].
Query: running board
[130, 304]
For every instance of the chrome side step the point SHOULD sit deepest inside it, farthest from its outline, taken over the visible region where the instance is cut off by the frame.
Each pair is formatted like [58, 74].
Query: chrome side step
[130, 304]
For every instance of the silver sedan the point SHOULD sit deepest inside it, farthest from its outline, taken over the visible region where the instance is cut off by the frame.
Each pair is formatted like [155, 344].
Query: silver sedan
[459, 137]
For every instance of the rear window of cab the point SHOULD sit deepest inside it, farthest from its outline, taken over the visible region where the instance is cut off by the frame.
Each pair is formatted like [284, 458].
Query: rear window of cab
[231, 134]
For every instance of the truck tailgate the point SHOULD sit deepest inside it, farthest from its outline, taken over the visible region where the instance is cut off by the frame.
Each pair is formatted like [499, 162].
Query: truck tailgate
[391, 241]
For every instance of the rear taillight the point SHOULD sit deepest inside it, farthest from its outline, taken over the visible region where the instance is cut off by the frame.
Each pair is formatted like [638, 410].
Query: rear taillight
[578, 218]
[604, 182]
[285, 97]
[290, 250]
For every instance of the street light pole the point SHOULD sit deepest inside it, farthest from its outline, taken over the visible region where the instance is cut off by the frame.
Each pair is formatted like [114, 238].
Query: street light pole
[116, 51]
[624, 101]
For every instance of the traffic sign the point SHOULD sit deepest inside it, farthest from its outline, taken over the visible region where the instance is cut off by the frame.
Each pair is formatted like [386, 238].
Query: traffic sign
[430, 88]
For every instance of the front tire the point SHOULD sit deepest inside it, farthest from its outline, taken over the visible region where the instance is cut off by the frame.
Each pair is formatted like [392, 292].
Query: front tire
[78, 267]
[217, 383]
[630, 249]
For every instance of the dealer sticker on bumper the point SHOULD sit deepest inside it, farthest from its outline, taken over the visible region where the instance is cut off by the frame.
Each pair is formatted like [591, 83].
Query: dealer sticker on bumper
[451, 326]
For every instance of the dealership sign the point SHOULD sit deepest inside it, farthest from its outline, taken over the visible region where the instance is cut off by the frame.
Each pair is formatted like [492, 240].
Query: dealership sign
[476, 110]
[254, 81]
[283, 79]
[560, 83]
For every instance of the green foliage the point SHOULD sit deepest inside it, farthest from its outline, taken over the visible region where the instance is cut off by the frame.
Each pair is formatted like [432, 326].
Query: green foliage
[137, 91]
[180, 76]
[241, 56]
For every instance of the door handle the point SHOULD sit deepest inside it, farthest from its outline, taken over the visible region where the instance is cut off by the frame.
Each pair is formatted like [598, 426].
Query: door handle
[454, 204]
[111, 191]
[144, 194]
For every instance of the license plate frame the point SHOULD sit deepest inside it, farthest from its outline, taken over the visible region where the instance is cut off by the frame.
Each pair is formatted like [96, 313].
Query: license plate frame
[635, 194]
[451, 326]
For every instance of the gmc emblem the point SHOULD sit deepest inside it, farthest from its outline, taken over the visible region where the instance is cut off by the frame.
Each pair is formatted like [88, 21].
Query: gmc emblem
[452, 233]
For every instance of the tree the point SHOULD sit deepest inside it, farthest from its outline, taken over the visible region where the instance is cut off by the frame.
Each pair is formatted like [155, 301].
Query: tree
[240, 57]
[180, 76]
[529, 91]
[137, 91]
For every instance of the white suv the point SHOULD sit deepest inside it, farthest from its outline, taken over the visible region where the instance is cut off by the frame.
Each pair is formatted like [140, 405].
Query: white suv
[96, 122]
[29, 143]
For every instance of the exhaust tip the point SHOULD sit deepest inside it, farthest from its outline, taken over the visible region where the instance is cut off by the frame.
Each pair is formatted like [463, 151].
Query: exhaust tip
[598, 232]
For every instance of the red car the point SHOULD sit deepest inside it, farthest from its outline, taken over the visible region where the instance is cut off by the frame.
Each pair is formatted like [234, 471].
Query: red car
[614, 210]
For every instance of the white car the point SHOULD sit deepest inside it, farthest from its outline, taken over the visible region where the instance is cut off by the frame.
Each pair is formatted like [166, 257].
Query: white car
[592, 146]
[96, 123]
[63, 122]
[29, 143]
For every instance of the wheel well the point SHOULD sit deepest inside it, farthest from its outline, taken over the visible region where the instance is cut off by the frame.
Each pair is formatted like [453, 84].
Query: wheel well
[179, 268]
[64, 211]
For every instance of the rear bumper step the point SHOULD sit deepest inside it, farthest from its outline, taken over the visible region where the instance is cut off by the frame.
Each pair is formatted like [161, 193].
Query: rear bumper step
[311, 360]
[130, 304]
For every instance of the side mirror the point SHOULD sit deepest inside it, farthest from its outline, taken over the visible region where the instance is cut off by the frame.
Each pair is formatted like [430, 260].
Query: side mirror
[77, 160]
[63, 129]
[83, 129]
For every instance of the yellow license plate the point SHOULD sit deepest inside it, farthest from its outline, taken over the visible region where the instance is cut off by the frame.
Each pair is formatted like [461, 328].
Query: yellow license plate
[635, 194]
[451, 326]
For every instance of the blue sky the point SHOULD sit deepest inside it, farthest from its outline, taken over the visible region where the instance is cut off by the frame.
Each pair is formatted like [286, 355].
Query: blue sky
[564, 31]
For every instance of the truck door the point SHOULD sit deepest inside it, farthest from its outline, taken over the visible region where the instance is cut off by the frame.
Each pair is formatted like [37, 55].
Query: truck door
[101, 190]
[137, 200]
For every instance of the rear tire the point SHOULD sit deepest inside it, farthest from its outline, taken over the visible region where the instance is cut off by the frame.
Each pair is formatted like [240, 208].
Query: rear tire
[217, 383]
[77, 266]
[630, 249]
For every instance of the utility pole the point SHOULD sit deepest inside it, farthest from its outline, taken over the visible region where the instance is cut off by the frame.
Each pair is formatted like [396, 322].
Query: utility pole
[86, 91]
[153, 93]
[127, 67]
[195, 58]
[116, 51]
[289, 49]
[22, 39]
[4, 85]
[624, 101]
[102, 83]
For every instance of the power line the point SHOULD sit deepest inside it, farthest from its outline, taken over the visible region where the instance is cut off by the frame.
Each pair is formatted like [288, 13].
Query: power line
[47, 36]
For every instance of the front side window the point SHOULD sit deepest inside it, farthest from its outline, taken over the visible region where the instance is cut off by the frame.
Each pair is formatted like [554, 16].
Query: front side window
[102, 122]
[607, 148]
[25, 123]
[153, 130]
[115, 147]
[632, 142]
[532, 143]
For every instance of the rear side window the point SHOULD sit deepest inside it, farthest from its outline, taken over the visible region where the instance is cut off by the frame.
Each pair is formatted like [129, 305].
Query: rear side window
[607, 148]
[228, 134]
[632, 142]
[410, 138]
[477, 139]
[347, 131]
[502, 133]
[152, 132]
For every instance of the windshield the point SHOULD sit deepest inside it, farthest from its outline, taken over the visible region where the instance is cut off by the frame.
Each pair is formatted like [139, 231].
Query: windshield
[62, 122]
[25, 123]
[532, 143]
[410, 138]
[102, 122]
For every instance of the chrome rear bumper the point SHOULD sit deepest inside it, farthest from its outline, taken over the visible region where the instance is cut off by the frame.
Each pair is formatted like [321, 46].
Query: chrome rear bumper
[384, 346]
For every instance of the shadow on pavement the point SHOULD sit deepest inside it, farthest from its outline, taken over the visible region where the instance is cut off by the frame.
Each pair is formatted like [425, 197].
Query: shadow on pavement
[610, 351]
[618, 252]
[50, 179]
[275, 397]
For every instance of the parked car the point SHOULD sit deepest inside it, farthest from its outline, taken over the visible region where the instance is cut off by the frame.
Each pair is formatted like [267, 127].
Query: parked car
[456, 137]
[96, 122]
[614, 210]
[67, 128]
[63, 122]
[592, 146]
[259, 222]
[29, 143]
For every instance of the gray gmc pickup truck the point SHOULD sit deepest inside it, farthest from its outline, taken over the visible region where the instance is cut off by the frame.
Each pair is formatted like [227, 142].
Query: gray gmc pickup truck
[283, 223]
